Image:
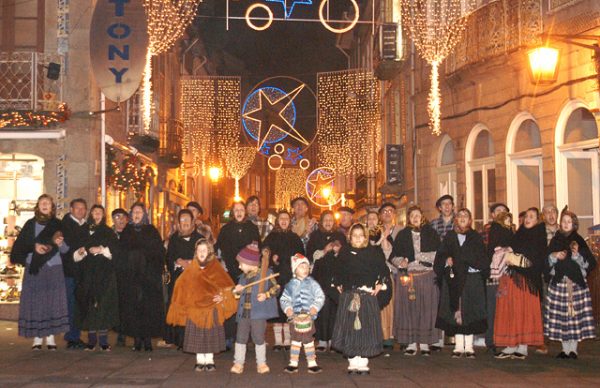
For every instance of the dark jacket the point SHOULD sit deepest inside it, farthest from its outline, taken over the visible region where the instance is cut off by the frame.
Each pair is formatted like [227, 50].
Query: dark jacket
[284, 245]
[180, 248]
[568, 267]
[260, 310]
[96, 291]
[232, 238]
[75, 237]
[471, 254]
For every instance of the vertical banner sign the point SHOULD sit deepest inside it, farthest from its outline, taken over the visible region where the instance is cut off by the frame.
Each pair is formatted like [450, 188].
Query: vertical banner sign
[118, 45]
[394, 164]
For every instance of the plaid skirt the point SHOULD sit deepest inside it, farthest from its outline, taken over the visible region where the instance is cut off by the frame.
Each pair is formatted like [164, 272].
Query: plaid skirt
[363, 341]
[564, 321]
[197, 340]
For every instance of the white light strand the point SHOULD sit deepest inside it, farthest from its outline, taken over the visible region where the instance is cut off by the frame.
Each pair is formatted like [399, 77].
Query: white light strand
[435, 26]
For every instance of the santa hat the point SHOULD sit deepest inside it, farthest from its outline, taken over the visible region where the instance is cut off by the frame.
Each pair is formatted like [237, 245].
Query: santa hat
[249, 255]
[298, 259]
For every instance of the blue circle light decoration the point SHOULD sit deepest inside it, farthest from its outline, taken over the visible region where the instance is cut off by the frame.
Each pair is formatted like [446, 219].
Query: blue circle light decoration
[253, 103]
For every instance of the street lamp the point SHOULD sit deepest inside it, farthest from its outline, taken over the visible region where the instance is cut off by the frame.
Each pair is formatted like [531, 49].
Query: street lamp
[543, 61]
[214, 174]
[543, 64]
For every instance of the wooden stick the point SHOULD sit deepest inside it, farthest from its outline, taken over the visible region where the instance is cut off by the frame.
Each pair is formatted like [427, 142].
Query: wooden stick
[261, 280]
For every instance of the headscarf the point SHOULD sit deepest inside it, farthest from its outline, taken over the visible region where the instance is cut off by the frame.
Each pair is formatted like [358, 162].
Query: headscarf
[145, 219]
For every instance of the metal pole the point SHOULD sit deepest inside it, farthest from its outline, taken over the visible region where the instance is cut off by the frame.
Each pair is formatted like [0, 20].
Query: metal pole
[103, 150]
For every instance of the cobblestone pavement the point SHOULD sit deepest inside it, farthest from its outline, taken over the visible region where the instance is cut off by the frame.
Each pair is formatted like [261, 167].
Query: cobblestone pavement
[21, 367]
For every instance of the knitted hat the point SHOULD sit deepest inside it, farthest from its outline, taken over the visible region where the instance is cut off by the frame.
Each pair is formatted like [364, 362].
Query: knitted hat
[249, 255]
[298, 259]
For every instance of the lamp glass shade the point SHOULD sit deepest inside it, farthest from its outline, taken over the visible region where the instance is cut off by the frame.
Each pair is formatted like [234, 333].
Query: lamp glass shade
[543, 64]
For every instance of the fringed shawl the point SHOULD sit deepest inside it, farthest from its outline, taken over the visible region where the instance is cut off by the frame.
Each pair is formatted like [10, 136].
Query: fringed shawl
[194, 292]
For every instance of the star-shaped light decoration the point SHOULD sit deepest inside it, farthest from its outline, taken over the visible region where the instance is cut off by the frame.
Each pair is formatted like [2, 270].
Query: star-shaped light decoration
[270, 114]
[288, 5]
[293, 155]
[322, 178]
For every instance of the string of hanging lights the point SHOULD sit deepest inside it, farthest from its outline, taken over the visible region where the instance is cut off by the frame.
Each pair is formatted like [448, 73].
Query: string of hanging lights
[435, 27]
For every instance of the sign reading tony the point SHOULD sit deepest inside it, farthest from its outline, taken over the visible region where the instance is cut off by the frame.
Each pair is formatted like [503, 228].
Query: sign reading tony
[118, 44]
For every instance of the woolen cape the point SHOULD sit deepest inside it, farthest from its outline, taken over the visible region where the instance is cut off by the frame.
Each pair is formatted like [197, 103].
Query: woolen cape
[194, 292]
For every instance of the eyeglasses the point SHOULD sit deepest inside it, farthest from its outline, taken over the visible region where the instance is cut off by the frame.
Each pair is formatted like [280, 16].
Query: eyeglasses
[387, 211]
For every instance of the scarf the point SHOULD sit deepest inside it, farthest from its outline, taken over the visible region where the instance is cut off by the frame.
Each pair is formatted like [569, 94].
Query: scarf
[193, 296]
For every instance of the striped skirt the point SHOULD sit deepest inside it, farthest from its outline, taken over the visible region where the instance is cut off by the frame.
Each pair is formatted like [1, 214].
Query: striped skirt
[364, 339]
[414, 320]
[43, 304]
[565, 321]
[197, 340]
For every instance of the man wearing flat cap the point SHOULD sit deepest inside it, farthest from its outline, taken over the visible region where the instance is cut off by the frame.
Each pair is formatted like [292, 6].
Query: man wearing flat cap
[445, 222]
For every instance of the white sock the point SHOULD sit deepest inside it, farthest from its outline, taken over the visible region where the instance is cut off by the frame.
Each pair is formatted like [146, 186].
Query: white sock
[287, 338]
[565, 346]
[294, 363]
[50, 340]
[312, 363]
[200, 359]
[510, 349]
[353, 362]
[459, 343]
[424, 347]
[469, 343]
[322, 344]
[38, 341]
[209, 358]
[363, 363]
[278, 332]
[412, 346]
[522, 349]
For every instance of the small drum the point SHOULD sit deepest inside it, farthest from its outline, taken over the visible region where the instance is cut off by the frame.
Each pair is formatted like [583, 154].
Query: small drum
[303, 323]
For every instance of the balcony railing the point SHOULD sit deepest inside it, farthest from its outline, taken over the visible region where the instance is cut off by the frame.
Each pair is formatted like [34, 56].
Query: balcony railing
[495, 29]
[24, 84]
[171, 139]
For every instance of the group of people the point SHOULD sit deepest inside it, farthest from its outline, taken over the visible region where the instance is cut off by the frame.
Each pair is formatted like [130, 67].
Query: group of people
[354, 288]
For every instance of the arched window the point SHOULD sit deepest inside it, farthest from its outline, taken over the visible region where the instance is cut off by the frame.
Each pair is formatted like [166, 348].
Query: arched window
[577, 166]
[524, 164]
[446, 168]
[480, 174]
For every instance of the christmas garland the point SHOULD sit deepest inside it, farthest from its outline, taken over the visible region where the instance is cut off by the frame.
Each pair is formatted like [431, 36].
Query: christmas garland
[32, 119]
[129, 173]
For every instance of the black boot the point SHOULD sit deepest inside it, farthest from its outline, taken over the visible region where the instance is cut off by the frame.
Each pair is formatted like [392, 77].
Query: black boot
[137, 344]
[148, 344]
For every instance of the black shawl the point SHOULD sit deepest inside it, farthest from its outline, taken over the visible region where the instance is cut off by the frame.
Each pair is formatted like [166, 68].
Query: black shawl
[319, 238]
[531, 243]
[359, 267]
[25, 244]
[233, 237]
[568, 267]
[403, 243]
[471, 254]
[284, 244]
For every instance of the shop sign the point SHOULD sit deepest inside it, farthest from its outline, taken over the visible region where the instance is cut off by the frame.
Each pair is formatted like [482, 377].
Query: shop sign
[118, 44]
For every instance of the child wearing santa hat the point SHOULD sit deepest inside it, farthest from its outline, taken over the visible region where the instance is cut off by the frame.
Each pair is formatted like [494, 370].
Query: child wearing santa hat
[301, 301]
